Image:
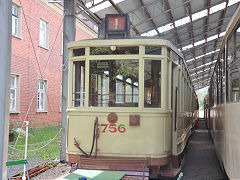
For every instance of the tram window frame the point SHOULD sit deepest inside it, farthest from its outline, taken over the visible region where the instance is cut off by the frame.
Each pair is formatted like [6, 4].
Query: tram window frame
[221, 79]
[106, 80]
[114, 50]
[153, 50]
[232, 95]
[217, 82]
[237, 43]
[168, 52]
[153, 99]
[79, 73]
[78, 52]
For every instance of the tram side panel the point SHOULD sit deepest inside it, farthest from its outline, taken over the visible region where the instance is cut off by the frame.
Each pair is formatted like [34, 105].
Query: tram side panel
[185, 115]
[231, 155]
[225, 135]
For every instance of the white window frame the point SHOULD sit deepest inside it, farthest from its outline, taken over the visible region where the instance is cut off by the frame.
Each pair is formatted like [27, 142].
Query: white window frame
[42, 96]
[16, 20]
[43, 33]
[15, 99]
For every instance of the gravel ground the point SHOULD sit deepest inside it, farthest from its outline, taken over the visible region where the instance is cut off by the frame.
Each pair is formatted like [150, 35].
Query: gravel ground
[13, 170]
[201, 161]
[58, 172]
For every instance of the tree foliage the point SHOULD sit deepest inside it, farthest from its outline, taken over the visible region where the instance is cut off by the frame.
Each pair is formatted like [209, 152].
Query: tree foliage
[201, 93]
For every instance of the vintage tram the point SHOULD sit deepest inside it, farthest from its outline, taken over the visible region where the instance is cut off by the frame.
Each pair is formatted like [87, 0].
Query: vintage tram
[131, 105]
[222, 101]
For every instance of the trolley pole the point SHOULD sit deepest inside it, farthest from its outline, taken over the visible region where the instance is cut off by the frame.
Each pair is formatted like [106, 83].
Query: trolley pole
[5, 71]
[69, 29]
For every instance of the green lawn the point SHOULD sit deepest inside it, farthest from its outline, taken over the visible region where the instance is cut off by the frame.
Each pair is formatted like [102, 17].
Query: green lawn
[38, 137]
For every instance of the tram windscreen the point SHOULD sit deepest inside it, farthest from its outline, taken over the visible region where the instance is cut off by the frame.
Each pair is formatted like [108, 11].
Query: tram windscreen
[113, 83]
[152, 83]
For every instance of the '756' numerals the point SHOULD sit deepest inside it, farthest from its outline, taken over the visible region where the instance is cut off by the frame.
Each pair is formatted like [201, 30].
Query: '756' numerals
[113, 128]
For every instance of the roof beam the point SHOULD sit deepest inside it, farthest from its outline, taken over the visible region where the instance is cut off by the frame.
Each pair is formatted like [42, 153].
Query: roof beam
[207, 64]
[164, 12]
[197, 35]
[219, 30]
[177, 6]
[200, 46]
[81, 7]
[145, 6]
[204, 73]
[206, 32]
[191, 35]
[149, 17]
[172, 20]
[202, 55]
[121, 12]
[93, 5]
[198, 84]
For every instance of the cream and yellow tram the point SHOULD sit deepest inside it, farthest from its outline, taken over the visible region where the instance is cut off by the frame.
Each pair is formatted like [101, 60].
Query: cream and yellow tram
[131, 105]
[222, 101]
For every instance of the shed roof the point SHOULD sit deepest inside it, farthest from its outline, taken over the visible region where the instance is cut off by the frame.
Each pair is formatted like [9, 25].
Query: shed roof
[195, 27]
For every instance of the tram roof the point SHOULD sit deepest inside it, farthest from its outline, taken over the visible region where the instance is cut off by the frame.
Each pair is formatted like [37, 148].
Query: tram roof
[123, 42]
[195, 27]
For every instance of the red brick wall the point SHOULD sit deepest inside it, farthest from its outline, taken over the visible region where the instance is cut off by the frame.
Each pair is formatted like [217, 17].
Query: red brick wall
[25, 64]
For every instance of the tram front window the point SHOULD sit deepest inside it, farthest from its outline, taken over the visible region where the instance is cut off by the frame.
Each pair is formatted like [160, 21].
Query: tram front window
[152, 83]
[113, 83]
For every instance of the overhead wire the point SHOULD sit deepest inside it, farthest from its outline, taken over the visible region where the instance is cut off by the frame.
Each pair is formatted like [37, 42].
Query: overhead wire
[41, 74]
[31, 39]
[48, 142]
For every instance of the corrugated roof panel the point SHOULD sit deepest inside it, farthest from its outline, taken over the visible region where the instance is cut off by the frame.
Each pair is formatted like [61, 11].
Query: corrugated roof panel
[160, 14]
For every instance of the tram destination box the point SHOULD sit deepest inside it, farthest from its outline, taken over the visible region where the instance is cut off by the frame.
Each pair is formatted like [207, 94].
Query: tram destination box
[117, 26]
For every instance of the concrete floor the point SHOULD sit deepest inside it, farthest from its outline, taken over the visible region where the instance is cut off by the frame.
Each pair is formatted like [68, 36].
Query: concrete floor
[201, 161]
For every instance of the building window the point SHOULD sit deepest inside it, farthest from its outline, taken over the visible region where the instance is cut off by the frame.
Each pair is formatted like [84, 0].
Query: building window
[43, 34]
[15, 20]
[14, 93]
[42, 96]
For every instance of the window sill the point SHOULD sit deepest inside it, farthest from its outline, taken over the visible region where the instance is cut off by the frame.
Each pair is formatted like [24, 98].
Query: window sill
[41, 111]
[16, 36]
[14, 112]
[46, 48]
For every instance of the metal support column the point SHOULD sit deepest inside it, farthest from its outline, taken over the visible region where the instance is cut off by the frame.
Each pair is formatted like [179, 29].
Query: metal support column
[5, 71]
[69, 31]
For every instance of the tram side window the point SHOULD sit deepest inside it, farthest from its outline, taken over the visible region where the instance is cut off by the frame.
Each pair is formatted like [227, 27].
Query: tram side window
[223, 78]
[234, 73]
[238, 43]
[152, 83]
[231, 49]
[78, 83]
[113, 83]
[153, 50]
[220, 79]
[234, 69]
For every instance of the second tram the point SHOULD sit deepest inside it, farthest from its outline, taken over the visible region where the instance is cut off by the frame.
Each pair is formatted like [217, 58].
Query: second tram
[222, 106]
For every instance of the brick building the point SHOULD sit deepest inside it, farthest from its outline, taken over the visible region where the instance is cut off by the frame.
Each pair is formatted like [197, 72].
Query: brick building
[36, 68]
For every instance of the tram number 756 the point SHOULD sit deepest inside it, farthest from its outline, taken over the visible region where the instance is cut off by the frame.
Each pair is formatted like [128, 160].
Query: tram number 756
[113, 128]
